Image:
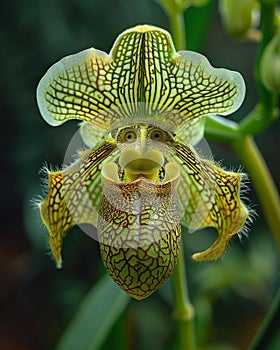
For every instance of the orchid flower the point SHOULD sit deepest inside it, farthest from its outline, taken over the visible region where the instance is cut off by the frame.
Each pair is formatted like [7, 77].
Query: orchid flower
[143, 108]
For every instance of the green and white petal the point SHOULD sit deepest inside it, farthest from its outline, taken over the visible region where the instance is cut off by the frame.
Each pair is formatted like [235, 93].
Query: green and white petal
[142, 69]
[202, 89]
[70, 89]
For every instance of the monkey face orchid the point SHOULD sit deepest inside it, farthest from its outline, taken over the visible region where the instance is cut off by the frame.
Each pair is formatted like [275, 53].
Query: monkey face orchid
[143, 107]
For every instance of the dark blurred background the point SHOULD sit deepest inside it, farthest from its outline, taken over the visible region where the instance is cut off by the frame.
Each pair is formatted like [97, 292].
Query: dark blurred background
[36, 299]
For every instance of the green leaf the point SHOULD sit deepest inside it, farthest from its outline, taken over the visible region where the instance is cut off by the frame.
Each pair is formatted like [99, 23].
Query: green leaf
[95, 317]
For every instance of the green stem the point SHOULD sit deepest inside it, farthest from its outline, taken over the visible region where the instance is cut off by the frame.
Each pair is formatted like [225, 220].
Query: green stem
[184, 312]
[267, 27]
[220, 129]
[177, 24]
[260, 175]
[265, 113]
[257, 120]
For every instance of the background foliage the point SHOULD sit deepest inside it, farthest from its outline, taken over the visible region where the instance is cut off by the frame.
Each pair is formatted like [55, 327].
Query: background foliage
[231, 296]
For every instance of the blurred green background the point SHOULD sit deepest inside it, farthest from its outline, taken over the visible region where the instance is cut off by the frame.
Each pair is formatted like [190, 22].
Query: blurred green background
[37, 300]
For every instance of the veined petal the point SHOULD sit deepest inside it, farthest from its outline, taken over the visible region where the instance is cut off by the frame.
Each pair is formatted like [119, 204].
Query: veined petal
[142, 67]
[74, 196]
[210, 196]
[204, 89]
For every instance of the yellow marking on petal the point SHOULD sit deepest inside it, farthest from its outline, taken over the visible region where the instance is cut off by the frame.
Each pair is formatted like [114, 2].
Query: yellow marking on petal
[142, 28]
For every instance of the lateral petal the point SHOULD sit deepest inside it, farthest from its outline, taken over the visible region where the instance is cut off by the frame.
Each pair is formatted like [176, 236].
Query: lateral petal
[74, 196]
[210, 196]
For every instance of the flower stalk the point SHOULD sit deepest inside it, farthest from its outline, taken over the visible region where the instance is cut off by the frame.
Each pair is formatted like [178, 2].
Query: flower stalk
[175, 12]
[184, 312]
[249, 154]
[177, 23]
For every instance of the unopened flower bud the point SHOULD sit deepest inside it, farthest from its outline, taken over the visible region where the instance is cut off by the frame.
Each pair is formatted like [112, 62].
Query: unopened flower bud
[270, 65]
[237, 16]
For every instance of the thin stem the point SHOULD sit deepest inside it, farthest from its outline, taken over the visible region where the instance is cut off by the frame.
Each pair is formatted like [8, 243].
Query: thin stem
[264, 113]
[257, 120]
[184, 312]
[221, 129]
[265, 187]
[177, 24]
[267, 26]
